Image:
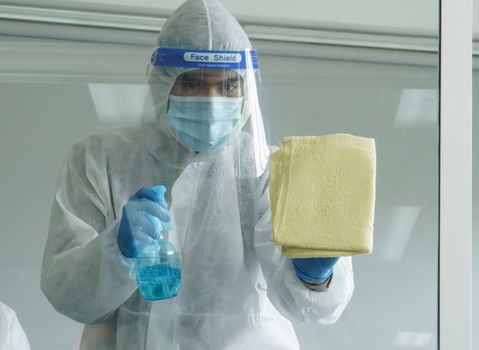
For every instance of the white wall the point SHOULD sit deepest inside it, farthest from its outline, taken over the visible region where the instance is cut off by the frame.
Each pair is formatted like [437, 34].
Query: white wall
[406, 13]
[409, 15]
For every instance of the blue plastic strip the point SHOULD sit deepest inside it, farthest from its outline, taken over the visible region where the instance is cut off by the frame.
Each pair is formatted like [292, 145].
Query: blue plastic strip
[205, 59]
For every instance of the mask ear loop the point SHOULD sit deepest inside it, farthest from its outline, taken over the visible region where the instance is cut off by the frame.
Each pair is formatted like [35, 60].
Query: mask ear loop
[242, 106]
[242, 94]
[169, 94]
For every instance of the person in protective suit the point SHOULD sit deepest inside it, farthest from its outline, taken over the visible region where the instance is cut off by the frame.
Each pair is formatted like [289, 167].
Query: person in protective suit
[207, 146]
[12, 335]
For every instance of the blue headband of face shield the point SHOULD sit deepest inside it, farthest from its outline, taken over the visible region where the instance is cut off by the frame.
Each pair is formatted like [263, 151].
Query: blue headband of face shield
[206, 59]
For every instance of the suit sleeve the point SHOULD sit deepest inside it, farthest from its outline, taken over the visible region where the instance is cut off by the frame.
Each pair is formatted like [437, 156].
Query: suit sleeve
[84, 275]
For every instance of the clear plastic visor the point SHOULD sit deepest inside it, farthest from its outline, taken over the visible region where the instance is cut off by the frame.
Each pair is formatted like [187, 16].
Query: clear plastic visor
[210, 108]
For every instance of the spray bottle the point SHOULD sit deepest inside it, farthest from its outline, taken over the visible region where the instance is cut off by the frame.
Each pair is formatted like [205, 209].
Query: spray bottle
[158, 264]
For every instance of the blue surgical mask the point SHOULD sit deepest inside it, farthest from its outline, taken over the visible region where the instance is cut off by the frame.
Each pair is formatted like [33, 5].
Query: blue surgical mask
[203, 123]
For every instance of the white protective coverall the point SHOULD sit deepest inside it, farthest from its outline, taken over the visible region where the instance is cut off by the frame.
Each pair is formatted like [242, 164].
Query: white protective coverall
[12, 336]
[238, 291]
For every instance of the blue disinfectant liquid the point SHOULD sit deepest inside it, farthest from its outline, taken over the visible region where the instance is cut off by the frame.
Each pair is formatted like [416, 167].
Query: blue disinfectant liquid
[157, 282]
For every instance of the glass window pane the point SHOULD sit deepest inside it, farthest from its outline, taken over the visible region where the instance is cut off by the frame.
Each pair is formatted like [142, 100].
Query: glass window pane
[316, 81]
[395, 302]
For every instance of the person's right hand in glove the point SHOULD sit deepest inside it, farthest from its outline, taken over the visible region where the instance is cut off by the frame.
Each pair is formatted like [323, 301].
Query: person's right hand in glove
[314, 270]
[138, 226]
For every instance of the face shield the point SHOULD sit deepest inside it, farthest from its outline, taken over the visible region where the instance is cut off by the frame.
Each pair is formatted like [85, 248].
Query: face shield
[205, 105]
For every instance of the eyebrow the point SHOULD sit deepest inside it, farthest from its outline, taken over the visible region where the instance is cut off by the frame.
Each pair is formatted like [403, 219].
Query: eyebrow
[188, 77]
[233, 79]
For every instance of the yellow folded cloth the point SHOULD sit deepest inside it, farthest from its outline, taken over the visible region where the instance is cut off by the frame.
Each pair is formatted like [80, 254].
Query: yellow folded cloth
[322, 192]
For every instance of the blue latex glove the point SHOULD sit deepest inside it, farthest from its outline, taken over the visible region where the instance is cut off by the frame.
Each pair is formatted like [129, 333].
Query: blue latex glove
[314, 269]
[139, 221]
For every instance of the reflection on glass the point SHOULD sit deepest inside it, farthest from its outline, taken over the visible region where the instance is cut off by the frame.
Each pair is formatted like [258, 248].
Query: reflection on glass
[418, 108]
[116, 103]
[413, 339]
[399, 226]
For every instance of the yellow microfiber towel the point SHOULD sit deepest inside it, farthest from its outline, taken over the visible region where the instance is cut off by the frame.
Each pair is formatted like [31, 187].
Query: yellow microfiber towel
[322, 192]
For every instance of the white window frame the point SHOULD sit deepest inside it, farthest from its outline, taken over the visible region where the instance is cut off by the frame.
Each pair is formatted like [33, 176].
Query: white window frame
[455, 219]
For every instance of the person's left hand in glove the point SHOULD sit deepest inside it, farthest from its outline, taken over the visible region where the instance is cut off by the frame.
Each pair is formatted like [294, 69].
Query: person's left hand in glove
[314, 270]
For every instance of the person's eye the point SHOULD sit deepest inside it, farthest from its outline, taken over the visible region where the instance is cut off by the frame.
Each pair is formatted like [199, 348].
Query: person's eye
[191, 84]
[232, 86]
